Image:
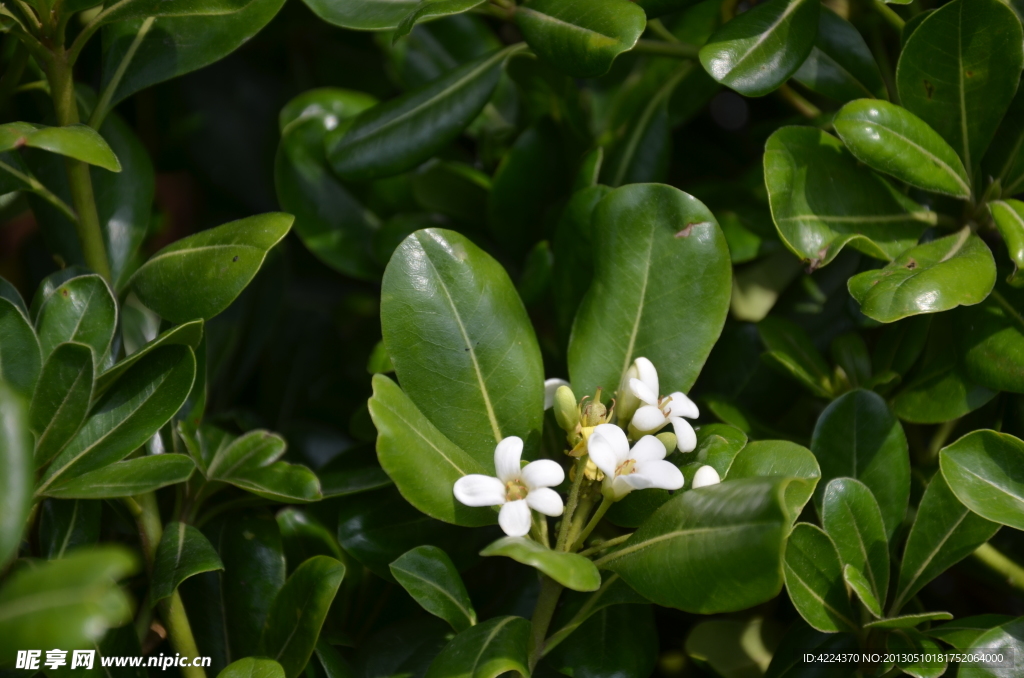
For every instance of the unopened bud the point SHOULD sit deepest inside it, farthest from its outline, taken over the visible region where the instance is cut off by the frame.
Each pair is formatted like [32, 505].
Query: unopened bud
[594, 413]
[668, 439]
[566, 412]
[706, 475]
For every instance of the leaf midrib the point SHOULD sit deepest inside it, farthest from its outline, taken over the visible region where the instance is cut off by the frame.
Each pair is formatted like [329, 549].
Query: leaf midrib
[458, 604]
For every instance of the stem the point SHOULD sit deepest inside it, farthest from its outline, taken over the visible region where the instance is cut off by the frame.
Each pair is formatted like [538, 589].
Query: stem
[41, 191]
[802, 105]
[889, 14]
[607, 544]
[594, 520]
[655, 26]
[542, 614]
[62, 91]
[570, 508]
[1011, 312]
[938, 440]
[677, 50]
[99, 113]
[998, 562]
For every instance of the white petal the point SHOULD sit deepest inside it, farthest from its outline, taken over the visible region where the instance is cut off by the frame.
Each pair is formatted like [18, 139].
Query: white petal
[515, 518]
[546, 501]
[506, 458]
[608, 447]
[686, 438]
[480, 490]
[550, 386]
[659, 473]
[641, 391]
[648, 419]
[648, 375]
[647, 448]
[620, 487]
[682, 406]
[706, 475]
[542, 473]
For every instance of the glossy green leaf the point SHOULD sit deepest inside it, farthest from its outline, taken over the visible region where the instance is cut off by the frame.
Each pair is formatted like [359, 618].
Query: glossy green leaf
[298, 612]
[199, 276]
[864, 589]
[251, 463]
[661, 289]
[790, 349]
[858, 437]
[252, 667]
[1004, 640]
[580, 37]
[67, 603]
[82, 310]
[140, 403]
[990, 341]
[1005, 159]
[959, 71]
[16, 471]
[822, 199]
[962, 633]
[430, 577]
[909, 621]
[715, 549]
[11, 294]
[486, 650]
[461, 342]
[852, 518]
[614, 641]
[423, 463]
[363, 15]
[761, 48]
[79, 142]
[906, 643]
[61, 400]
[574, 265]
[124, 478]
[432, 9]
[398, 135]
[779, 459]
[1008, 216]
[944, 533]
[568, 569]
[20, 355]
[840, 65]
[187, 334]
[985, 470]
[183, 552]
[814, 580]
[134, 9]
[893, 140]
[65, 525]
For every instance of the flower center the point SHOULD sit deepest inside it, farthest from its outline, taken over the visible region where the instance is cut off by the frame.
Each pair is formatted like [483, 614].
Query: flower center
[627, 467]
[515, 490]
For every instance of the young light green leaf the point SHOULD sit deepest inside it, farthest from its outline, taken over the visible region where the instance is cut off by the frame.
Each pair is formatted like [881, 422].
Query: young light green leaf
[16, 471]
[661, 289]
[852, 518]
[61, 400]
[124, 478]
[298, 612]
[568, 569]
[762, 47]
[955, 270]
[79, 142]
[860, 585]
[251, 463]
[779, 459]
[822, 199]
[840, 65]
[893, 140]
[430, 577]
[199, 276]
[908, 621]
[814, 580]
[985, 470]
[82, 310]
[187, 334]
[20, 355]
[580, 37]
[857, 436]
[252, 667]
[959, 71]
[432, 9]
[1008, 216]
[423, 463]
[67, 525]
[461, 342]
[486, 650]
[792, 350]
[183, 552]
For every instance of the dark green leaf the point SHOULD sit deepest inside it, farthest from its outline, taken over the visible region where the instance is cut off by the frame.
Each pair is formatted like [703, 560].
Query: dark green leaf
[814, 580]
[304, 537]
[908, 621]
[733, 648]
[840, 65]
[124, 478]
[906, 643]
[134, 9]
[16, 472]
[568, 569]
[1004, 160]
[962, 633]
[252, 667]
[251, 463]
[80, 142]
[1004, 640]
[852, 518]
[62, 398]
[11, 294]
[486, 650]
[985, 470]
[901, 344]
[1008, 216]
[788, 660]
[779, 459]
[576, 608]
[363, 15]
[67, 525]
[850, 352]
[991, 341]
[183, 553]
[453, 189]
[433, 9]
[20, 355]
[430, 577]
[614, 641]
[574, 265]
[792, 350]
[82, 310]
[187, 334]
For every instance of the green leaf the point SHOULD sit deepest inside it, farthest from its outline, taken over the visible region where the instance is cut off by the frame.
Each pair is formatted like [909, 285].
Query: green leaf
[840, 65]
[199, 276]
[762, 47]
[733, 648]
[779, 459]
[16, 472]
[990, 341]
[930, 278]
[574, 266]
[134, 9]
[985, 470]
[430, 577]
[486, 650]
[67, 603]
[901, 344]
[61, 400]
[576, 608]
[79, 142]
[251, 463]
[580, 37]
[423, 463]
[858, 437]
[11, 294]
[138, 405]
[906, 643]
[850, 352]
[304, 536]
[363, 15]
[1004, 639]
[794, 353]
[715, 549]
[187, 334]
[568, 569]
[944, 533]
[20, 355]
[67, 525]
[893, 140]
[462, 343]
[963, 632]
[864, 589]
[124, 478]
[252, 667]
[1004, 160]
[852, 518]
[183, 552]
[298, 612]
[398, 135]
[82, 310]
[432, 9]
[1008, 216]
[908, 621]
[661, 289]
[959, 71]
[614, 641]
[814, 580]
[822, 199]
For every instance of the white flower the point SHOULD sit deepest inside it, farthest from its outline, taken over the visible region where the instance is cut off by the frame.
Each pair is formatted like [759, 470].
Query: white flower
[516, 490]
[706, 475]
[627, 469]
[550, 387]
[656, 412]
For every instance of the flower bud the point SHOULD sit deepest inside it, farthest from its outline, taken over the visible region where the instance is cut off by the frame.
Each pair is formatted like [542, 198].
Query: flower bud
[706, 475]
[594, 413]
[668, 439]
[566, 412]
[626, 402]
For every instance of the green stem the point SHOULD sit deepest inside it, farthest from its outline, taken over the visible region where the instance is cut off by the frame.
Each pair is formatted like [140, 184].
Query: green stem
[938, 440]
[99, 113]
[676, 50]
[542, 614]
[889, 14]
[799, 103]
[562, 543]
[655, 26]
[594, 520]
[605, 545]
[41, 191]
[995, 560]
[62, 91]
[1011, 312]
